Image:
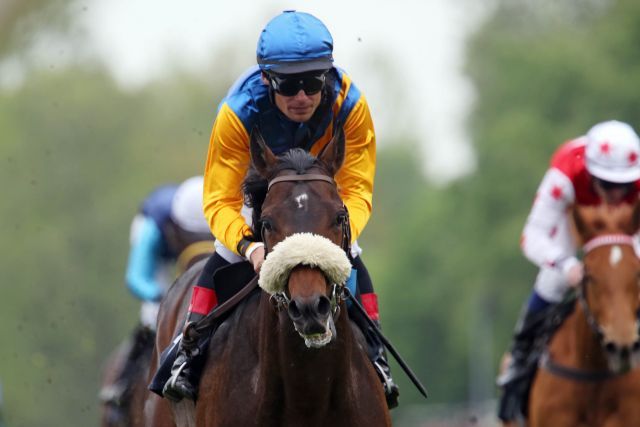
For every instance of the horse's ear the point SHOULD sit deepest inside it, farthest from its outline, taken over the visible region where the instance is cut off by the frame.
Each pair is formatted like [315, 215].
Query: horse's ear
[262, 157]
[332, 155]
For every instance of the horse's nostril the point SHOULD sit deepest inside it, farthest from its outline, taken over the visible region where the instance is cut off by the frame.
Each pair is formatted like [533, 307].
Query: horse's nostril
[294, 311]
[635, 347]
[324, 306]
[610, 347]
[625, 352]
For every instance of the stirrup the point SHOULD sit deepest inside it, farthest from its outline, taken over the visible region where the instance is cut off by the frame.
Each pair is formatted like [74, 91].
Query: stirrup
[174, 377]
[387, 383]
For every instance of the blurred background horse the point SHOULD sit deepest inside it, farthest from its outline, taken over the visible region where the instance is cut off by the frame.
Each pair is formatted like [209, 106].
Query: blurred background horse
[589, 374]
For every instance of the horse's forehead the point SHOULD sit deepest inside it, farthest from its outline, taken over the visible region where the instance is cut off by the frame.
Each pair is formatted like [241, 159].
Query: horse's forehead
[614, 258]
[615, 255]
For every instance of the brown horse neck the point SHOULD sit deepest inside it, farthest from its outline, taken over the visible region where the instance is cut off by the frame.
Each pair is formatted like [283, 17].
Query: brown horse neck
[316, 373]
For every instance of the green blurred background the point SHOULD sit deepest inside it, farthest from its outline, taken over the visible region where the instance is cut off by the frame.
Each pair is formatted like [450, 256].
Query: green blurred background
[78, 152]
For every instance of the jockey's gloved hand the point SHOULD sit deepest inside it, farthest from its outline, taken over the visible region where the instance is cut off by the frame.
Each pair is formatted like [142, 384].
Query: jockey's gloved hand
[573, 271]
[255, 254]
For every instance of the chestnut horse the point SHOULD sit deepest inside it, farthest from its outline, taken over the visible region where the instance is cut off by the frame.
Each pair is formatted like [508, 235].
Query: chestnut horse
[589, 374]
[288, 356]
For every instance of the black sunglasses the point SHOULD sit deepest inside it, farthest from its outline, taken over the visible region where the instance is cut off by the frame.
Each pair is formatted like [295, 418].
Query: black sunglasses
[291, 85]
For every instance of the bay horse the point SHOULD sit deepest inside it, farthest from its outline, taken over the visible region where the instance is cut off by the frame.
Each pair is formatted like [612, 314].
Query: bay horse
[589, 374]
[287, 355]
[130, 412]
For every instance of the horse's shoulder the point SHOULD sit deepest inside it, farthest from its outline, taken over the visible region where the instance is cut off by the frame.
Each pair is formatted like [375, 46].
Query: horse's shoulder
[239, 323]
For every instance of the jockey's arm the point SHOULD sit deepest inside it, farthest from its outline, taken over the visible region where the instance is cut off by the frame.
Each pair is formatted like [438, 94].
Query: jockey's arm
[355, 177]
[227, 163]
[142, 262]
[545, 241]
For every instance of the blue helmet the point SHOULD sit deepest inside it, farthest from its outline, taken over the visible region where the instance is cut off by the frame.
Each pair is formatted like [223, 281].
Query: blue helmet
[295, 42]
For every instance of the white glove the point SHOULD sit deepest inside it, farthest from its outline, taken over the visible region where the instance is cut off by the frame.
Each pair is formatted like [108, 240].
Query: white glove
[573, 271]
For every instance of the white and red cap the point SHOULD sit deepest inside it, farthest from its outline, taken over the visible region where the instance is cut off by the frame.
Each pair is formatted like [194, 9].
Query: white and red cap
[613, 152]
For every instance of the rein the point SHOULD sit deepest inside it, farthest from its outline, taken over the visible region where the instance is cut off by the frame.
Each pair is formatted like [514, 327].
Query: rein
[577, 374]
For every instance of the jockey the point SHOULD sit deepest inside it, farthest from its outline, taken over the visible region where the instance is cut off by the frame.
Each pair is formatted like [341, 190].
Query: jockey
[296, 97]
[602, 167]
[168, 231]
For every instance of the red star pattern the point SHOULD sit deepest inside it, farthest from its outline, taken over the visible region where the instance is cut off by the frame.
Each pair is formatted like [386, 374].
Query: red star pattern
[605, 148]
[556, 192]
[633, 157]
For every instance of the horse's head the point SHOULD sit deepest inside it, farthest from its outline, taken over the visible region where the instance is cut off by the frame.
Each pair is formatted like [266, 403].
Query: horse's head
[305, 230]
[609, 293]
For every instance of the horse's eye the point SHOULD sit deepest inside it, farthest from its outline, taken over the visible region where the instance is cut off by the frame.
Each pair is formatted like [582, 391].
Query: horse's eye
[341, 218]
[266, 225]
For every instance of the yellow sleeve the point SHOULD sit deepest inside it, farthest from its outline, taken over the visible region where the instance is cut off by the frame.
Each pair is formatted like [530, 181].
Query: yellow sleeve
[228, 160]
[355, 177]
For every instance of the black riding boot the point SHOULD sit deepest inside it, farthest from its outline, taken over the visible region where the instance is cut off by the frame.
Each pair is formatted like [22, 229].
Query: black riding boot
[118, 393]
[515, 381]
[379, 360]
[183, 382]
[378, 356]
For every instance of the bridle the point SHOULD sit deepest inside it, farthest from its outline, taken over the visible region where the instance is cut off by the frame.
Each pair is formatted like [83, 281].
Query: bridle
[346, 228]
[281, 300]
[581, 295]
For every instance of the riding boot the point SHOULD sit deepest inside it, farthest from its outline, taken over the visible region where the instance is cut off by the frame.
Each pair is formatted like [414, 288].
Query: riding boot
[183, 382]
[515, 380]
[379, 359]
[117, 394]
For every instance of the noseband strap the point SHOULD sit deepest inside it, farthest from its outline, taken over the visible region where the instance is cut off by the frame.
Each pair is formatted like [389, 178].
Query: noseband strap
[606, 240]
[304, 177]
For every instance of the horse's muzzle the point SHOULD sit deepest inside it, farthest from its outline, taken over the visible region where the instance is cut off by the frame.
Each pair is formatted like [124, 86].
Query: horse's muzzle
[312, 319]
[622, 358]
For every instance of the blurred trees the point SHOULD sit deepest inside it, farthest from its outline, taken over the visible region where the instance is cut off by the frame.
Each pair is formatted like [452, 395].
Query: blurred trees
[77, 157]
[77, 154]
[21, 20]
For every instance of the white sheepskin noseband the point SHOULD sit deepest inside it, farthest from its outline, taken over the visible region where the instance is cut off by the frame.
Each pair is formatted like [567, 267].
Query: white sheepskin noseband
[303, 249]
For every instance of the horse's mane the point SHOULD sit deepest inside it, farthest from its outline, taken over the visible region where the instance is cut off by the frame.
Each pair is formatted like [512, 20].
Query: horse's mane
[255, 185]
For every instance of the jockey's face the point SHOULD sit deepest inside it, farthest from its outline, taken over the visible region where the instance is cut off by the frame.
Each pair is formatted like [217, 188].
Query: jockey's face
[612, 193]
[299, 107]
